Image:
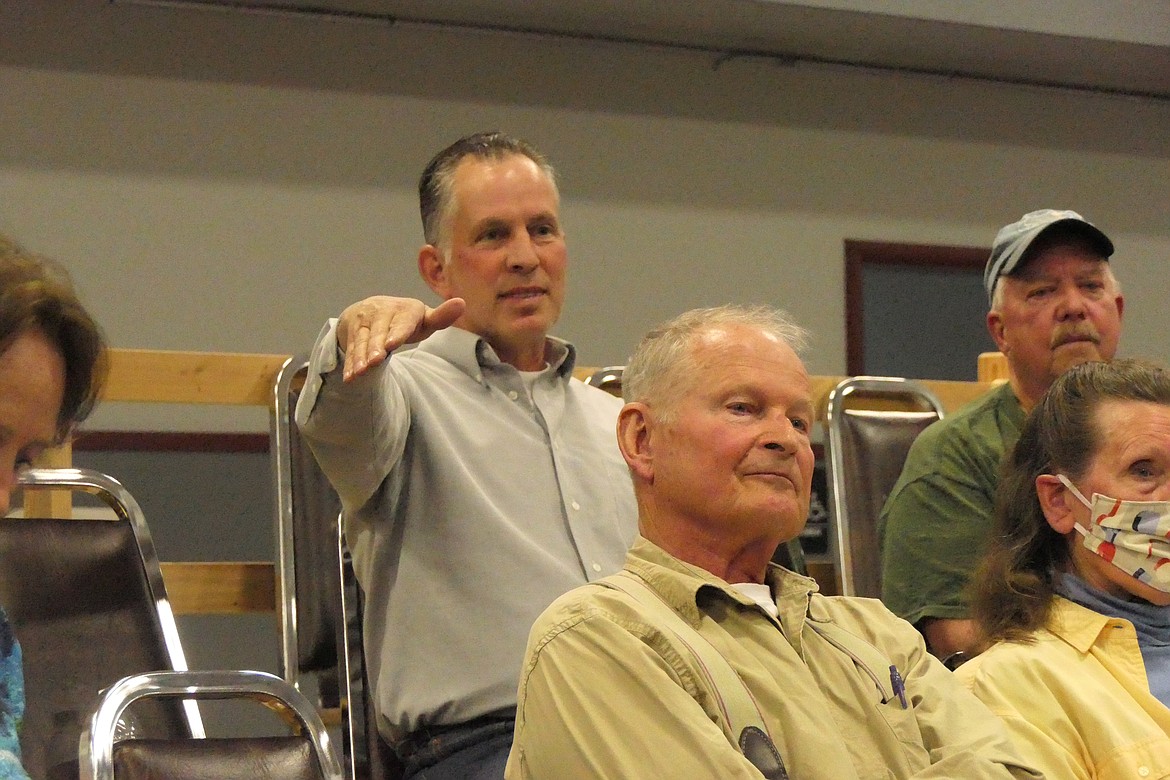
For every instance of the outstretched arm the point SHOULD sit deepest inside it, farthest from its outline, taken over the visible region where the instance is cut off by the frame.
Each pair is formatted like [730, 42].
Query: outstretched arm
[357, 430]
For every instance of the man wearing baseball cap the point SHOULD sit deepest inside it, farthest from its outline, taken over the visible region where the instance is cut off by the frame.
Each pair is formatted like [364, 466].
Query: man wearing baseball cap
[1054, 303]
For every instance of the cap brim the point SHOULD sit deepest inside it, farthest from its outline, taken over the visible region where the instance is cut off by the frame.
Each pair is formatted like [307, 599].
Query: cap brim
[1009, 261]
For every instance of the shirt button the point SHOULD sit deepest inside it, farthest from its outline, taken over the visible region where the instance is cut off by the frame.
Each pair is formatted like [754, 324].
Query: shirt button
[575, 505]
[1144, 771]
[597, 567]
[513, 395]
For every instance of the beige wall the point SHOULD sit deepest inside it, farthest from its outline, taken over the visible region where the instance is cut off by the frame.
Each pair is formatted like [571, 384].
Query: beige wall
[225, 182]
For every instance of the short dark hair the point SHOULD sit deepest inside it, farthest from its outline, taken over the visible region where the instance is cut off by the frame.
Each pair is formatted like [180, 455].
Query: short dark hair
[37, 294]
[435, 184]
[1012, 591]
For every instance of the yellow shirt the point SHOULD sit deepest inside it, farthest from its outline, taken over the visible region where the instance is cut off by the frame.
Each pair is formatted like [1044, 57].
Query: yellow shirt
[608, 693]
[1076, 701]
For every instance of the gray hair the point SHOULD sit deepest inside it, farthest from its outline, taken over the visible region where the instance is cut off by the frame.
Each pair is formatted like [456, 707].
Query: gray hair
[657, 370]
[436, 186]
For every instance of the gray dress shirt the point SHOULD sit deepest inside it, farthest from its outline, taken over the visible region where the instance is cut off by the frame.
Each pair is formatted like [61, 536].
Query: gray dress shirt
[469, 507]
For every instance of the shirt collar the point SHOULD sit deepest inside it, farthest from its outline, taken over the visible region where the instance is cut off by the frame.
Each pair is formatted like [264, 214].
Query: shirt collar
[1077, 625]
[472, 355]
[687, 587]
[1151, 622]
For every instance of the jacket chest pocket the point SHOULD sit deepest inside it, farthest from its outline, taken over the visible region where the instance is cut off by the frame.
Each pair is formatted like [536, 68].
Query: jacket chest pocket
[888, 700]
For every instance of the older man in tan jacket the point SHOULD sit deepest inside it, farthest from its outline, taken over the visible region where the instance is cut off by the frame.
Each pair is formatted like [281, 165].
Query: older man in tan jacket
[702, 659]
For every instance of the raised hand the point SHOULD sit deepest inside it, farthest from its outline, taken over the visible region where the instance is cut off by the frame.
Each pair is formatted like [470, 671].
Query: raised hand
[373, 327]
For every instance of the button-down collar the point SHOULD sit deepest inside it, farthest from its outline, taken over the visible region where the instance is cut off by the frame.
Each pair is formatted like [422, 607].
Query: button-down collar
[474, 356]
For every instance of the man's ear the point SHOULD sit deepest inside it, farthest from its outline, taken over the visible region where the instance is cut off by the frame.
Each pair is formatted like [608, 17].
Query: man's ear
[995, 328]
[433, 271]
[1057, 502]
[634, 428]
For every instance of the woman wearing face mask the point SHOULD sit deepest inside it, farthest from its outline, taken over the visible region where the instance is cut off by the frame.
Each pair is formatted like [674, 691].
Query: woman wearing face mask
[51, 366]
[1074, 592]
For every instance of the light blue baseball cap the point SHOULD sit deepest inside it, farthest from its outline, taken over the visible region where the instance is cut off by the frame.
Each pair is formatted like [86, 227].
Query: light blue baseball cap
[1012, 241]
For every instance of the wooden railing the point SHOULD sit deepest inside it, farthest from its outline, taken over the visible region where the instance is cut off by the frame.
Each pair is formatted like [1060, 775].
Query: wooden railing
[151, 376]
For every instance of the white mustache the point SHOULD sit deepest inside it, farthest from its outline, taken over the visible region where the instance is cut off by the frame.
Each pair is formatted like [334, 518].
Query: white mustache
[1084, 332]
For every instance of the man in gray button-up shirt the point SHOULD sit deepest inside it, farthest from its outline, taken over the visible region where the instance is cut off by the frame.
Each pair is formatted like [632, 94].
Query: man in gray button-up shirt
[479, 479]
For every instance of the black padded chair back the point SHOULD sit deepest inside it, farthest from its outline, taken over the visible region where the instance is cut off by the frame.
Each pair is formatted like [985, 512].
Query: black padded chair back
[307, 510]
[304, 754]
[871, 421]
[319, 599]
[374, 759]
[87, 603]
[252, 758]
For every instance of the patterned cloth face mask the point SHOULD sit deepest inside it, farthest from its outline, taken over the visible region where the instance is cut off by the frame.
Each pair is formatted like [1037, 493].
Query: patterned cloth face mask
[1132, 535]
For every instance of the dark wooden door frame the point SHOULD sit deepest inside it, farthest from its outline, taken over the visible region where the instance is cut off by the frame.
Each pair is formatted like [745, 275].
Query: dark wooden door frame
[860, 253]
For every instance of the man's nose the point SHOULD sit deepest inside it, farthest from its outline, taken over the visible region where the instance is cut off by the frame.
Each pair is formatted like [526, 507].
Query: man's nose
[1073, 304]
[780, 435]
[522, 256]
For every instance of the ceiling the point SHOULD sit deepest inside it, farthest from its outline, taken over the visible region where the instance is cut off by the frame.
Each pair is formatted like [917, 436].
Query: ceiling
[1093, 46]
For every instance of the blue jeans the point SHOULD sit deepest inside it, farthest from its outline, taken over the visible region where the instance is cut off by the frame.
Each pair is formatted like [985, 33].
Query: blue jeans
[476, 750]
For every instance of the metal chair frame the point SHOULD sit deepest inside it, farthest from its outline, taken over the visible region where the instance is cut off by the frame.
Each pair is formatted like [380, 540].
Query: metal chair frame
[280, 424]
[606, 378]
[358, 756]
[61, 697]
[894, 388]
[127, 509]
[98, 736]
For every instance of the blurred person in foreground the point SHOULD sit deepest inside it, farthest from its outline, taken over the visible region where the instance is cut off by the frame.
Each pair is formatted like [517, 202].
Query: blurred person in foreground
[1074, 591]
[52, 363]
[622, 678]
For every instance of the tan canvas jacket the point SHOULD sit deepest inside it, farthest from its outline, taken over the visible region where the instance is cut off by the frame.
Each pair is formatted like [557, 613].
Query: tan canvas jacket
[606, 693]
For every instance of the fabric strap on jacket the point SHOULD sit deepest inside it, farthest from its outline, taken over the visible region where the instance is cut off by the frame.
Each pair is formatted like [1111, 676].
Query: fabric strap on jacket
[743, 724]
[867, 658]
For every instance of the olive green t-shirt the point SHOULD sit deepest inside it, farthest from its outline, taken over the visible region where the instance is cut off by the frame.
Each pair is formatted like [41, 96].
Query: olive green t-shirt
[934, 526]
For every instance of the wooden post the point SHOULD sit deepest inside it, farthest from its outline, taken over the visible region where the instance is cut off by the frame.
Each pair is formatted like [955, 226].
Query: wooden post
[51, 503]
[993, 367]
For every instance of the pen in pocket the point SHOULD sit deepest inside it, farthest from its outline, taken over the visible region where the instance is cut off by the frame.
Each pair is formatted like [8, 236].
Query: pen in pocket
[899, 685]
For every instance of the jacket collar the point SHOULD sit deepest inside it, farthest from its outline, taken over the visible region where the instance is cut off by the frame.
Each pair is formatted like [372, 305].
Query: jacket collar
[687, 587]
